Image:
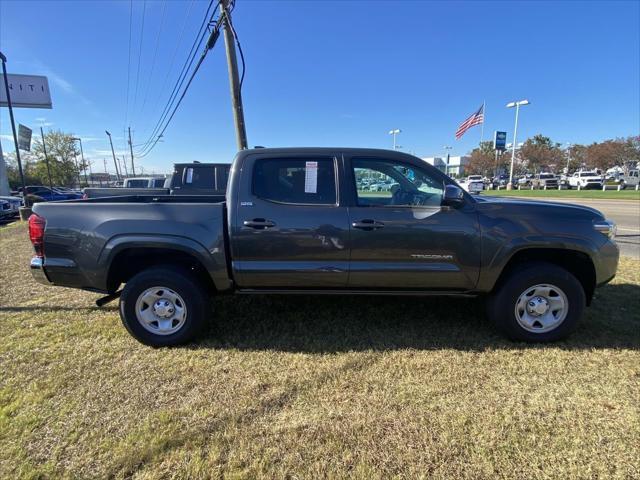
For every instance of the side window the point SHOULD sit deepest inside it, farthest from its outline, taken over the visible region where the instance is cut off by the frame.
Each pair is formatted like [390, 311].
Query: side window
[389, 183]
[292, 180]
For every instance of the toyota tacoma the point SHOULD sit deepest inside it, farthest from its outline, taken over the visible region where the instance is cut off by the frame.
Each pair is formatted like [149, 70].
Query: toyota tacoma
[302, 220]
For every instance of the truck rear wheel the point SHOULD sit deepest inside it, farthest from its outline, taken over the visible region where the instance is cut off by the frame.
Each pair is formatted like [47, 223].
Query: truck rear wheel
[537, 303]
[163, 306]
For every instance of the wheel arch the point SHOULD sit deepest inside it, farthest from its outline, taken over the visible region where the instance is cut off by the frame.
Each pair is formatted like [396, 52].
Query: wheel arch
[578, 263]
[124, 257]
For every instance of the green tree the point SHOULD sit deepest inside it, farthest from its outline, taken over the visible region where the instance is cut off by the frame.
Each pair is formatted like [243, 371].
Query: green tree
[540, 153]
[62, 154]
[609, 153]
[483, 160]
[575, 157]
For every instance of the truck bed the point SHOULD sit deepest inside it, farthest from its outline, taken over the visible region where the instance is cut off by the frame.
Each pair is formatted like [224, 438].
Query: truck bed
[85, 238]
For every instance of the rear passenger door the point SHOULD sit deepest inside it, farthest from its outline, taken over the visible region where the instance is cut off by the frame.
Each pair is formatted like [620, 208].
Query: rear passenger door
[289, 230]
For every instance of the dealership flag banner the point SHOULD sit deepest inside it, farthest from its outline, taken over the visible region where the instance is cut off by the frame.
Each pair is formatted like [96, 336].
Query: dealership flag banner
[476, 118]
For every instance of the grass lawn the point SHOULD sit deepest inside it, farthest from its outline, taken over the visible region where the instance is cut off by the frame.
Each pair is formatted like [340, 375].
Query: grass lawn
[313, 387]
[594, 194]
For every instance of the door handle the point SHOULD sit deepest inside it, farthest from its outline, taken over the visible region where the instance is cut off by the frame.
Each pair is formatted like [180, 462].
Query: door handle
[367, 224]
[259, 223]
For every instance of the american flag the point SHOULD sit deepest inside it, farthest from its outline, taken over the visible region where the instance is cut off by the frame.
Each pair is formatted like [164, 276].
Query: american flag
[476, 118]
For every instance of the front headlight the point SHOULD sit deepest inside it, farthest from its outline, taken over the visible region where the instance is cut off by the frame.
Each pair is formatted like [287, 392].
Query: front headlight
[606, 227]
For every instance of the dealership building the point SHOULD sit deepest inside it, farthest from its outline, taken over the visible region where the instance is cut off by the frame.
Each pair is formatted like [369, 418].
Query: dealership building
[452, 165]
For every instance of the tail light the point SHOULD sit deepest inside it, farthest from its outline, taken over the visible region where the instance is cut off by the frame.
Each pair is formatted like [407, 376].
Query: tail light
[36, 233]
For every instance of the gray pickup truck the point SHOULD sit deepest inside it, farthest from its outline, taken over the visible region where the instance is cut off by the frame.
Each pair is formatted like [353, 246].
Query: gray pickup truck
[303, 220]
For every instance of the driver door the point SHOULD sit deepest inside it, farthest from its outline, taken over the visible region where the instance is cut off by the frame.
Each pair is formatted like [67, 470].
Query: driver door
[401, 236]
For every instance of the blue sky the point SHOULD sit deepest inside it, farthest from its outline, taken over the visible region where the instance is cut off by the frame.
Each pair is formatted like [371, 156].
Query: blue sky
[330, 73]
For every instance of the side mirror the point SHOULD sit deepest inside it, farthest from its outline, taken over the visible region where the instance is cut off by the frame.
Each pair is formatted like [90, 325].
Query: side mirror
[453, 196]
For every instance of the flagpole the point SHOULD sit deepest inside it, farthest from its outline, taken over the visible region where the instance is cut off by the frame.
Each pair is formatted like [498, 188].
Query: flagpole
[484, 117]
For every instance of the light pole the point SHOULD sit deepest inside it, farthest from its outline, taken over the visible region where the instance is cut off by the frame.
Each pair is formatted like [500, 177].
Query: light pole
[84, 164]
[569, 145]
[394, 132]
[115, 162]
[447, 149]
[517, 104]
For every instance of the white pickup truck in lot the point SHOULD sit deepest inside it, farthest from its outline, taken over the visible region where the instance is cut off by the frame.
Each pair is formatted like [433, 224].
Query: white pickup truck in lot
[585, 180]
[473, 184]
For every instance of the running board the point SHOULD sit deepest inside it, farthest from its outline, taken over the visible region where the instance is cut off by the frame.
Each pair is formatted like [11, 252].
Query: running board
[421, 293]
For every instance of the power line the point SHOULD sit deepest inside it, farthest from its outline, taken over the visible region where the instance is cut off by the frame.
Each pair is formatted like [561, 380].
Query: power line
[155, 54]
[126, 114]
[183, 74]
[213, 37]
[135, 95]
[173, 58]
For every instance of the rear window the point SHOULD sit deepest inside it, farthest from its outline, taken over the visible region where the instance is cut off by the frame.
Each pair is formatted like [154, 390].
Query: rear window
[137, 183]
[200, 177]
[300, 181]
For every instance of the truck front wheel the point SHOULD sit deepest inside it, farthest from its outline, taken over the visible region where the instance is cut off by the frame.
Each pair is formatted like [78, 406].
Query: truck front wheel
[164, 306]
[537, 303]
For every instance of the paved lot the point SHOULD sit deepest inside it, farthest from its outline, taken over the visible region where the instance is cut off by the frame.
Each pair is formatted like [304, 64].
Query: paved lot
[626, 213]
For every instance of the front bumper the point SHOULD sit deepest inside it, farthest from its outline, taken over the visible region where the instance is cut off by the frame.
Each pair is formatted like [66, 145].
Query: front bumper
[37, 271]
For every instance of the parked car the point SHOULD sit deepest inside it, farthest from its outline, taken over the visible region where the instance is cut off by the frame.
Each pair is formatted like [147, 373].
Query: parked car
[525, 180]
[472, 184]
[293, 222]
[542, 180]
[585, 180]
[9, 206]
[631, 179]
[51, 194]
[500, 181]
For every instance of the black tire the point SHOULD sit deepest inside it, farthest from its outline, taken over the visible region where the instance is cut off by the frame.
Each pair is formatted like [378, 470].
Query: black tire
[501, 304]
[183, 283]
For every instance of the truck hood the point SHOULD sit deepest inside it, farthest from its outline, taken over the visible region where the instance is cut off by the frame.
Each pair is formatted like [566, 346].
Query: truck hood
[517, 203]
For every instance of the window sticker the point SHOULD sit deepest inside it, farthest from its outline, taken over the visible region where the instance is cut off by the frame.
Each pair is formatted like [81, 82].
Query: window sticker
[311, 177]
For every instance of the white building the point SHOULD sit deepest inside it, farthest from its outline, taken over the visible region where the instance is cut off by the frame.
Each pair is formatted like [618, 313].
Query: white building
[454, 168]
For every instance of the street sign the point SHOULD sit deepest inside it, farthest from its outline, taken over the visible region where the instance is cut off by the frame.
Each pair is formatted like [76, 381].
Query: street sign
[27, 91]
[500, 140]
[24, 137]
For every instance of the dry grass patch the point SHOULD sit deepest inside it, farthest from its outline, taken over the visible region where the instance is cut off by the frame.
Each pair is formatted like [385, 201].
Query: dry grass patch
[313, 387]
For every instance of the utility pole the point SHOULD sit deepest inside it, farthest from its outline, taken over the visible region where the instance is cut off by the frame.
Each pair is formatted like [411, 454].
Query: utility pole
[46, 157]
[115, 162]
[90, 174]
[232, 63]
[3, 59]
[133, 168]
[75, 160]
[84, 163]
[124, 162]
